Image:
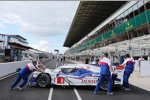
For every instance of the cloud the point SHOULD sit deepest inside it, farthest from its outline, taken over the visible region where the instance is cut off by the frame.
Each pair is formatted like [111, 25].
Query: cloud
[42, 45]
[2, 26]
[49, 18]
[43, 23]
[63, 49]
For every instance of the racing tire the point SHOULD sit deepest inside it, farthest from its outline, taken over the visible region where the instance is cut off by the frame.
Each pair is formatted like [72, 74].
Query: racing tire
[104, 85]
[43, 80]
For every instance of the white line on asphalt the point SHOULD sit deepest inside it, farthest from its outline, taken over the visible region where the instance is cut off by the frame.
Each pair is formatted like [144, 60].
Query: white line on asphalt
[77, 94]
[50, 94]
[7, 76]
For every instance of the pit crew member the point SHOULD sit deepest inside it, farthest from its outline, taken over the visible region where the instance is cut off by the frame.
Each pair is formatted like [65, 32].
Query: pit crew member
[25, 72]
[129, 67]
[105, 65]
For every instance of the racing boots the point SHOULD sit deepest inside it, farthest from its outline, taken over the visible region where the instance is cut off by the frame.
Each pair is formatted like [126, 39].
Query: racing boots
[127, 89]
[95, 92]
[110, 94]
[19, 88]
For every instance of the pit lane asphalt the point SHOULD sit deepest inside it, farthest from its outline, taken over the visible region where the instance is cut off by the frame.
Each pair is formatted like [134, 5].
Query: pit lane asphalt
[66, 93]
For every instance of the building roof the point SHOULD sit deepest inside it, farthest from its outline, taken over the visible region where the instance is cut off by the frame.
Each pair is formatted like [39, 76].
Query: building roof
[19, 46]
[14, 36]
[36, 50]
[88, 16]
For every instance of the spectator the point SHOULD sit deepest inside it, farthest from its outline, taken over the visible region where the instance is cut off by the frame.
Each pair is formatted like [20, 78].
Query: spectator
[96, 62]
[86, 60]
[141, 59]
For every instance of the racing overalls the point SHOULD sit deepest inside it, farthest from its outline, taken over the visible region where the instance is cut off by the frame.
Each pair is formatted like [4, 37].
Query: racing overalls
[24, 74]
[104, 73]
[127, 72]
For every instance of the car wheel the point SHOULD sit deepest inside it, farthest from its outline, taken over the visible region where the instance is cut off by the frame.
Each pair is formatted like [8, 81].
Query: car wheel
[43, 80]
[104, 85]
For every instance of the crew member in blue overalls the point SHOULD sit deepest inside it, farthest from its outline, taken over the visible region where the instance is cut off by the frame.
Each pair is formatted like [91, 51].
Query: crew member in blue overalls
[129, 67]
[25, 72]
[105, 64]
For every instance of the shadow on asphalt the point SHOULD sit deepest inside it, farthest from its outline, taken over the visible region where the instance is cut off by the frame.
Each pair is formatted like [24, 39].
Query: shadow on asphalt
[134, 89]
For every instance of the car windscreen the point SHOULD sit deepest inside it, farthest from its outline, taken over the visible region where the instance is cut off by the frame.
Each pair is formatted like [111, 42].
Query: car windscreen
[68, 70]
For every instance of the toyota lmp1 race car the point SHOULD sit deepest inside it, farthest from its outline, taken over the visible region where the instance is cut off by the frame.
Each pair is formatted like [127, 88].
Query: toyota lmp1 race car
[75, 75]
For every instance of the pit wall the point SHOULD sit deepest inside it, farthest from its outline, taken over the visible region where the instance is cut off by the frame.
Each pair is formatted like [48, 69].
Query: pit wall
[145, 68]
[10, 67]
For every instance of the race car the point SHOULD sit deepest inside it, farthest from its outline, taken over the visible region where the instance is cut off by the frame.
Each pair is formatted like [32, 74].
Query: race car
[74, 75]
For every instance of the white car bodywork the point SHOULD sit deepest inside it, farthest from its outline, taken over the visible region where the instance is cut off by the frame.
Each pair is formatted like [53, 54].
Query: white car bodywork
[88, 78]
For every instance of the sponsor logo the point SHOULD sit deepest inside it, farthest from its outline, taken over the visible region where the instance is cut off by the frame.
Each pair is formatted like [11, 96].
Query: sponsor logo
[96, 74]
[113, 33]
[129, 26]
[102, 37]
[89, 81]
[88, 67]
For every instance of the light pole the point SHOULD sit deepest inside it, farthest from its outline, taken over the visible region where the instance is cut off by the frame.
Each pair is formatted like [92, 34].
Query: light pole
[57, 52]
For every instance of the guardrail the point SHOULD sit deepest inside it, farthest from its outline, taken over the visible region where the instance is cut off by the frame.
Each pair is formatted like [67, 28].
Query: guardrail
[145, 68]
[10, 67]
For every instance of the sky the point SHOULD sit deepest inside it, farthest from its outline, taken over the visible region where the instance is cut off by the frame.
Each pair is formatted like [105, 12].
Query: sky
[45, 24]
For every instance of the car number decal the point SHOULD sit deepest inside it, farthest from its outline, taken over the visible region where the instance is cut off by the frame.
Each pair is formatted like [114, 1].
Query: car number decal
[60, 80]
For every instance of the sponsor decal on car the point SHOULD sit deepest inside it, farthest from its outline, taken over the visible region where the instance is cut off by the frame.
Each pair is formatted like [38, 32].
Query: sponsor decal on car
[89, 81]
[60, 80]
[88, 67]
